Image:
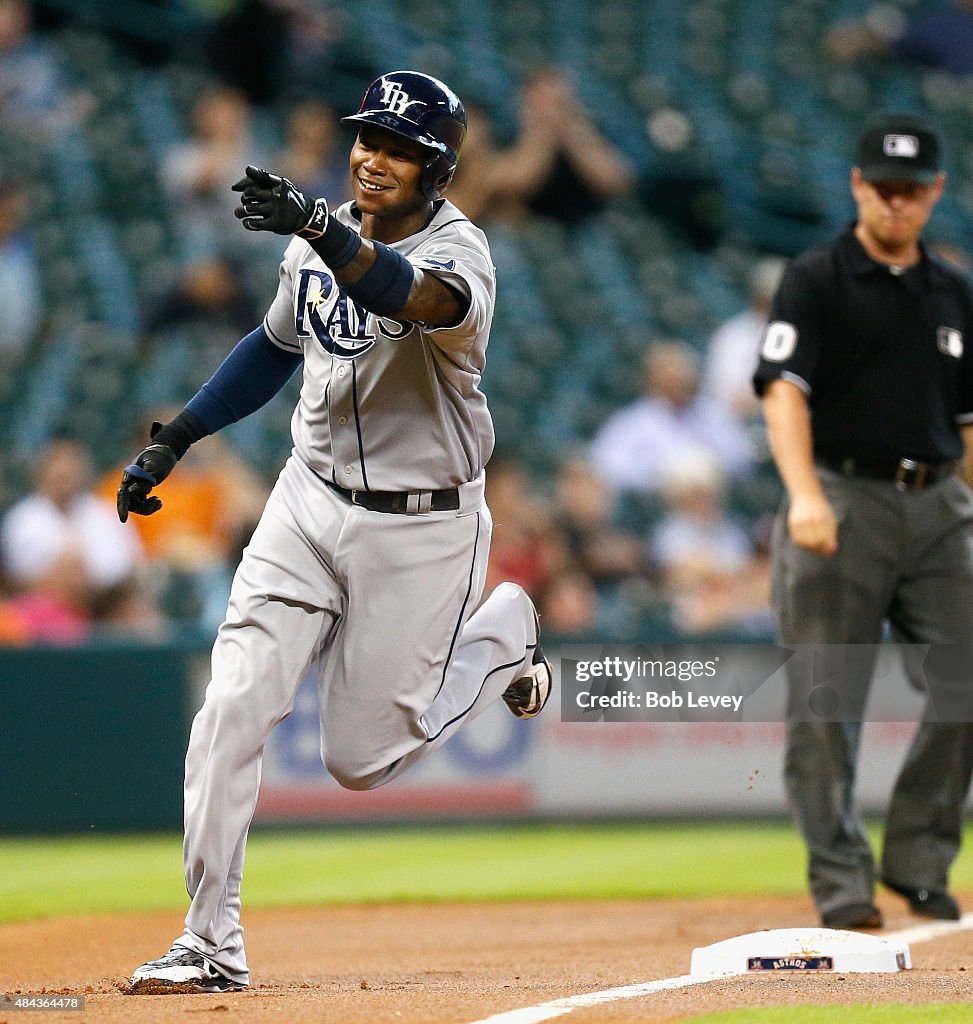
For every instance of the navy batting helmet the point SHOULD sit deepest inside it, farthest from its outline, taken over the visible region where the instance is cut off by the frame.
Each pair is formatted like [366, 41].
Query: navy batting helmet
[421, 108]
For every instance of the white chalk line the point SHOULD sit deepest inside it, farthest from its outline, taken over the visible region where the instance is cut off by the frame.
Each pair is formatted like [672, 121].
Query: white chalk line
[560, 1007]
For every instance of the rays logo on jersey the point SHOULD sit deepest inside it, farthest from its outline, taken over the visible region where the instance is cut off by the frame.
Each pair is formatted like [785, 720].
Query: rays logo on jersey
[339, 325]
[396, 98]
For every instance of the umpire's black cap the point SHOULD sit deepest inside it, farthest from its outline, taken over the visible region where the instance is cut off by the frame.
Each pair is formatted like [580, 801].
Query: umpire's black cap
[899, 147]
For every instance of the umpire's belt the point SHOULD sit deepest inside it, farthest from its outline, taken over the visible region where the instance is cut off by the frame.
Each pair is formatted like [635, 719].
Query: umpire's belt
[906, 474]
[406, 503]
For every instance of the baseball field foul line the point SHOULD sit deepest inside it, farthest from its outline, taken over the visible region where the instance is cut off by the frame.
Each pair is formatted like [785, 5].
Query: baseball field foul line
[560, 1007]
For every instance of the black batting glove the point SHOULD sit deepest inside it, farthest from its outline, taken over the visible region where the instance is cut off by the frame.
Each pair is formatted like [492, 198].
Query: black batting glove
[151, 466]
[272, 203]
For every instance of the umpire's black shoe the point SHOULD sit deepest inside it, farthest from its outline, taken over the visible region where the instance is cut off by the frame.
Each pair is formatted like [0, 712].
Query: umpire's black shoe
[928, 902]
[853, 916]
[527, 695]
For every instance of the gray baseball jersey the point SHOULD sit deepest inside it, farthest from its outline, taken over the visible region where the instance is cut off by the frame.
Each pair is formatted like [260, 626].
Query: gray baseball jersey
[390, 406]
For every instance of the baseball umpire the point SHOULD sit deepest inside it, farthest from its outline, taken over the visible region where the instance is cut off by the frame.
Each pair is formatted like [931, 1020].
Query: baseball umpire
[868, 397]
[368, 563]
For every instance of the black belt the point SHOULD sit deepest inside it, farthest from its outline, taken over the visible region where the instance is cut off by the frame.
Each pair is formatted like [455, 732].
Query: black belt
[406, 503]
[906, 474]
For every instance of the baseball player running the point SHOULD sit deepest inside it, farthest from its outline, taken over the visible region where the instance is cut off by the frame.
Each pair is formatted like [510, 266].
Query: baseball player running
[368, 563]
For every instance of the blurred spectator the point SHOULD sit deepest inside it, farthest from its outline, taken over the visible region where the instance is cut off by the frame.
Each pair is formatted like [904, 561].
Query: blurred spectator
[208, 296]
[327, 55]
[62, 513]
[569, 606]
[712, 575]
[213, 501]
[731, 356]
[489, 183]
[198, 174]
[559, 166]
[312, 158]
[188, 328]
[14, 630]
[55, 608]
[34, 95]
[67, 557]
[247, 47]
[695, 540]
[585, 507]
[277, 51]
[937, 34]
[526, 548]
[641, 444]
[21, 301]
[575, 169]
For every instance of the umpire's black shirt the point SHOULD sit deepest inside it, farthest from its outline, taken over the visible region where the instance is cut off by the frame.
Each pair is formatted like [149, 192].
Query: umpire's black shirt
[884, 355]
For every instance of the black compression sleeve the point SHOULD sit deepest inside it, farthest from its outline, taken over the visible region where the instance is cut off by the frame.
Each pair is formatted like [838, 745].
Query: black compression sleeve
[180, 433]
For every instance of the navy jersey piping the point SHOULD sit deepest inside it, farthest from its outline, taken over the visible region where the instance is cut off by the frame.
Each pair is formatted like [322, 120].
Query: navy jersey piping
[466, 600]
[463, 714]
[361, 445]
[455, 220]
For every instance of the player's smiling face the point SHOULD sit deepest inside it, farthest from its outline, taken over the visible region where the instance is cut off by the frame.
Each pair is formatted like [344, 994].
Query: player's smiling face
[385, 172]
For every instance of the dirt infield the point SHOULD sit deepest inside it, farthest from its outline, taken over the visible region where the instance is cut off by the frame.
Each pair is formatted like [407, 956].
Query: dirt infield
[456, 964]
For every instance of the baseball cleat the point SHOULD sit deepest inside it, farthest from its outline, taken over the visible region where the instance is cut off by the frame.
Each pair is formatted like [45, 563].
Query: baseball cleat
[527, 695]
[181, 970]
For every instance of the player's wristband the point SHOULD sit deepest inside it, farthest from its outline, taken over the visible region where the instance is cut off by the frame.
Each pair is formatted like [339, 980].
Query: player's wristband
[384, 288]
[336, 244]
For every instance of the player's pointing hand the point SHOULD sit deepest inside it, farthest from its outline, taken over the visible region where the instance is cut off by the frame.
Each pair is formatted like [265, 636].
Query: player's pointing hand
[271, 203]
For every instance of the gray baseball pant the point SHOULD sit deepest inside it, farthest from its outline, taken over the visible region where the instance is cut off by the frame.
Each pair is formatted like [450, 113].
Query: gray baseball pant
[383, 609]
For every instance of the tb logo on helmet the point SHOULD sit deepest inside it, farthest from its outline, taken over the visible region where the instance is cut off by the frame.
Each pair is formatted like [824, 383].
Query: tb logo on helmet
[396, 98]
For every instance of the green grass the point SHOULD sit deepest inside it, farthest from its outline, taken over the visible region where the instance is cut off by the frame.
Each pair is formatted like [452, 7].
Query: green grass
[52, 876]
[41, 877]
[861, 1013]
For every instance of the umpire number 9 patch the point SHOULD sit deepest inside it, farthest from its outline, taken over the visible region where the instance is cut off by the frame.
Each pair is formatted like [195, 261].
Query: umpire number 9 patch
[780, 340]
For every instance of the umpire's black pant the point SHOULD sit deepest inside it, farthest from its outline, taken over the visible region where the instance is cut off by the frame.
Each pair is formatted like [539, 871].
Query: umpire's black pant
[905, 557]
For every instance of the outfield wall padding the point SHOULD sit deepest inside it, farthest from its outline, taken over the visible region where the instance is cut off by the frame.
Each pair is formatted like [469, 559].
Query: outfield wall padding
[93, 737]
